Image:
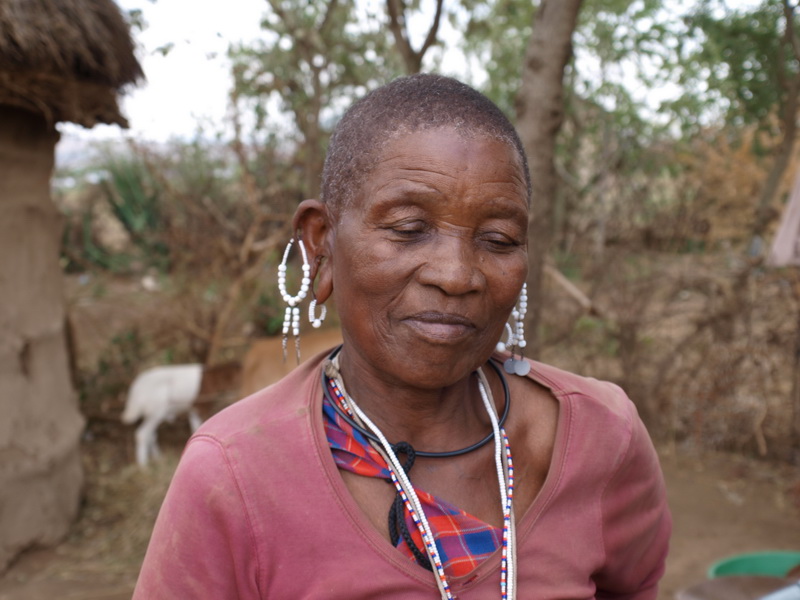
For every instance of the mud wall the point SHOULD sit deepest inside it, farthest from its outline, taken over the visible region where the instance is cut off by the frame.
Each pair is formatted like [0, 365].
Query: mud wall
[40, 425]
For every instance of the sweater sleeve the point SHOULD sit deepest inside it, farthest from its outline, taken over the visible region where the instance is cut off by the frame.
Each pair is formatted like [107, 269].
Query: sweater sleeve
[202, 544]
[636, 523]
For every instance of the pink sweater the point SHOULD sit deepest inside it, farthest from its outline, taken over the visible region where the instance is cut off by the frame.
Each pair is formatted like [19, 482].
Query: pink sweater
[257, 509]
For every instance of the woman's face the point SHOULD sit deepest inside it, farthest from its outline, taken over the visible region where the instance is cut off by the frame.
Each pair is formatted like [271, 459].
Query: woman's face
[430, 258]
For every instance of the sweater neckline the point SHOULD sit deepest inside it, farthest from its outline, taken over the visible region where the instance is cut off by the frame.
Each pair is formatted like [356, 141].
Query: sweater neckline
[364, 528]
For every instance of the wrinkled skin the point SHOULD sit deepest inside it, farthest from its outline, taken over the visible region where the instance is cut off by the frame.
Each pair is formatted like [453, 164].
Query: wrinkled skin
[425, 267]
[429, 261]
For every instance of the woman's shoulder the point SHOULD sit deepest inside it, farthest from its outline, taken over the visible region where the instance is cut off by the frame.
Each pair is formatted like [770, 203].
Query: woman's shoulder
[268, 410]
[574, 410]
[589, 391]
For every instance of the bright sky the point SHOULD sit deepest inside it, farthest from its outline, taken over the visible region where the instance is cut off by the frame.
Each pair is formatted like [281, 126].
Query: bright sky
[188, 86]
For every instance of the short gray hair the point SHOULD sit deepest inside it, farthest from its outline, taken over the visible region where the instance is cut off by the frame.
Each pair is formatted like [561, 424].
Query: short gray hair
[406, 105]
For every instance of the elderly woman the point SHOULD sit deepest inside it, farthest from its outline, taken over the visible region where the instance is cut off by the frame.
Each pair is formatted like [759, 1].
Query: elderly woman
[417, 460]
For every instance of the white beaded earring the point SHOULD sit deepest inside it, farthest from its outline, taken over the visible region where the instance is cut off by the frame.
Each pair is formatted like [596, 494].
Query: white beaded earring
[515, 337]
[519, 317]
[316, 321]
[503, 346]
[291, 318]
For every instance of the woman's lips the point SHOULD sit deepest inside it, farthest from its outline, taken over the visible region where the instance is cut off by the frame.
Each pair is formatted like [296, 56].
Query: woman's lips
[443, 327]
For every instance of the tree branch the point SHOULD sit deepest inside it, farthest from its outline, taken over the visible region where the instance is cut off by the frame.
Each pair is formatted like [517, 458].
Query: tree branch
[430, 39]
[396, 10]
[328, 18]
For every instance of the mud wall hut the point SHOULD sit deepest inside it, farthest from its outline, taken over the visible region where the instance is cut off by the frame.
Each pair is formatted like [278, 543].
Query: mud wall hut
[64, 60]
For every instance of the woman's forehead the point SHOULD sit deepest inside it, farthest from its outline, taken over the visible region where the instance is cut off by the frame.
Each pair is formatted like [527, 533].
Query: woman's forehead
[423, 138]
[433, 155]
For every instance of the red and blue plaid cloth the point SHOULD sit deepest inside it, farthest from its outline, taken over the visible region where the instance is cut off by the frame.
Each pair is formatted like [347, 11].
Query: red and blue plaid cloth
[462, 540]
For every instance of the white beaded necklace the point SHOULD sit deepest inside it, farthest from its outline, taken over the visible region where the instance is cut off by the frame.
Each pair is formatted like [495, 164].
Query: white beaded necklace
[505, 477]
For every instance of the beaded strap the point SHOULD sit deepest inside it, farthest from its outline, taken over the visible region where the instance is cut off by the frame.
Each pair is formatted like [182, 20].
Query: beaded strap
[505, 476]
[403, 486]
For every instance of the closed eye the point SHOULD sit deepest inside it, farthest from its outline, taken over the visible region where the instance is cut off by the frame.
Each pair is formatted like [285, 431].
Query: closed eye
[499, 241]
[409, 229]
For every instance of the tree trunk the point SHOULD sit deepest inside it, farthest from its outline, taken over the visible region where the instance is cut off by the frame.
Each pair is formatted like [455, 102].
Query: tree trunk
[540, 113]
[779, 166]
[40, 425]
[788, 123]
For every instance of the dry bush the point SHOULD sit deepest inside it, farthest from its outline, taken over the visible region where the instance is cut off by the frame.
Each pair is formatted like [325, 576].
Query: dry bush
[710, 199]
[726, 176]
[202, 223]
[700, 336]
[730, 384]
[701, 343]
[730, 397]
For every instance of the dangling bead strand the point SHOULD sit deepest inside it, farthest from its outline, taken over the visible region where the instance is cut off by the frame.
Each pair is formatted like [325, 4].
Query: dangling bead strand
[287, 318]
[515, 340]
[505, 477]
[296, 331]
[509, 526]
[519, 317]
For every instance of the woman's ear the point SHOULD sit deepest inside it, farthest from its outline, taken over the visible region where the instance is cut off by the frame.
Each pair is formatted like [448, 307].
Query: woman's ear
[312, 224]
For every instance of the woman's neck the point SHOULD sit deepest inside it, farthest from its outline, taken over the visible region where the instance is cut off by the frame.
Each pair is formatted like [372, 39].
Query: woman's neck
[433, 420]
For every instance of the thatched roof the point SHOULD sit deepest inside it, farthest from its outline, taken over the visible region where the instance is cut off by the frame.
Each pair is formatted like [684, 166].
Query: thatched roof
[66, 59]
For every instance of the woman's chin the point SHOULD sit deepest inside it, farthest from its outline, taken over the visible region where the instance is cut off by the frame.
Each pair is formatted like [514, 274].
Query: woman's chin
[434, 365]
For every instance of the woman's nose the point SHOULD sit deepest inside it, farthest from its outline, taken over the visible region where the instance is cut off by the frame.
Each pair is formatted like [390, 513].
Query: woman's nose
[451, 264]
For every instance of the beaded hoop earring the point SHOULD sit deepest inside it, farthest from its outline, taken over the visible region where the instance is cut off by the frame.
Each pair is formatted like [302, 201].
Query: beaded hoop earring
[316, 321]
[291, 317]
[515, 337]
[503, 346]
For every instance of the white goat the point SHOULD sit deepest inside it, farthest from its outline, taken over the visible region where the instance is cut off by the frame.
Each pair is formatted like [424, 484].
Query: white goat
[157, 395]
[162, 393]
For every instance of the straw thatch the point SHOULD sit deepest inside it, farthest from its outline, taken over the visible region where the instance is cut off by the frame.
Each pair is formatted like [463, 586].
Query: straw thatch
[66, 59]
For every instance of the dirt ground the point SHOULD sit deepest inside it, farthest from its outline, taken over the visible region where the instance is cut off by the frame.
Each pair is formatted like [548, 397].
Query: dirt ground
[722, 505]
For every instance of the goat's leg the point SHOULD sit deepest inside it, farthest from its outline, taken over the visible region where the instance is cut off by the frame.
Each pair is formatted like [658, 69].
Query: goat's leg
[146, 446]
[155, 449]
[142, 445]
[194, 420]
